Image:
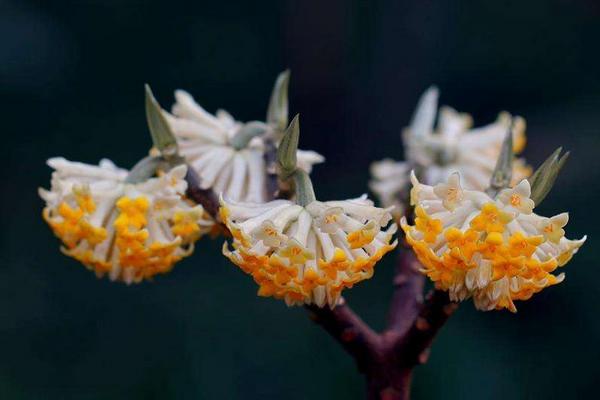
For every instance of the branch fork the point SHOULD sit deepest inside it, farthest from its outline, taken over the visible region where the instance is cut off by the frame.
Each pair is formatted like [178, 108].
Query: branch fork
[388, 358]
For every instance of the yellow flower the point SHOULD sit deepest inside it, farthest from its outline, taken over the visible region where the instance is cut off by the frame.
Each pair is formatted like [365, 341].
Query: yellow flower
[430, 227]
[517, 198]
[493, 250]
[307, 255]
[491, 219]
[552, 228]
[295, 253]
[450, 192]
[129, 232]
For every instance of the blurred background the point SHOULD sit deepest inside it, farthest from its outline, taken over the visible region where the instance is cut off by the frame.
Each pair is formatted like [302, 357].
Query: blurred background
[71, 84]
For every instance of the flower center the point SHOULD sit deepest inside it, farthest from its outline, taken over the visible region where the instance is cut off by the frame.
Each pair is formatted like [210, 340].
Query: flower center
[515, 200]
[330, 218]
[452, 193]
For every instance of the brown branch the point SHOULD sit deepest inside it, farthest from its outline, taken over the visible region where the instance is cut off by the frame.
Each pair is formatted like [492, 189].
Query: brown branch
[353, 334]
[205, 197]
[413, 348]
[408, 291]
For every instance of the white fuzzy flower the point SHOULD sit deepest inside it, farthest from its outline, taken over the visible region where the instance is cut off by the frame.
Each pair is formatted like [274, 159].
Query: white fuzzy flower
[494, 250]
[517, 199]
[205, 141]
[309, 254]
[452, 146]
[129, 231]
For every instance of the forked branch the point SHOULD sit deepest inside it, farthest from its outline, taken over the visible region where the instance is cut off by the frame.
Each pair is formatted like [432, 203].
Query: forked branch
[386, 358]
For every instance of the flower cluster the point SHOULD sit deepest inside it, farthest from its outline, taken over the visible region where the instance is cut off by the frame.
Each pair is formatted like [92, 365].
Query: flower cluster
[495, 250]
[129, 231]
[133, 225]
[206, 142]
[307, 255]
[452, 146]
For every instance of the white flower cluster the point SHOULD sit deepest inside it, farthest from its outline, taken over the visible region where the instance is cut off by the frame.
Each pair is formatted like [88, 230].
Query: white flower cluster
[129, 231]
[309, 254]
[495, 250]
[205, 140]
[451, 146]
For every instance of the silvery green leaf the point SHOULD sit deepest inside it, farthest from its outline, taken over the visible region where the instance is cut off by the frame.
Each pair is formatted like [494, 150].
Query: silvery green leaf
[305, 193]
[245, 134]
[144, 169]
[502, 174]
[538, 172]
[277, 114]
[162, 136]
[544, 177]
[288, 147]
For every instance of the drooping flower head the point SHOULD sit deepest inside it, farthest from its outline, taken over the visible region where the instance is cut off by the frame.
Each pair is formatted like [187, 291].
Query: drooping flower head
[228, 155]
[128, 231]
[495, 250]
[306, 251]
[451, 146]
[307, 254]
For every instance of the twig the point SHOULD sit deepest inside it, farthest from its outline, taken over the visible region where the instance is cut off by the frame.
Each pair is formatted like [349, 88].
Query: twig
[408, 291]
[205, 197]
[355, 336]
[414, 347]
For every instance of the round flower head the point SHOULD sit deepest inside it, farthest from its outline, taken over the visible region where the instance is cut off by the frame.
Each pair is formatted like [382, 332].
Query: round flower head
[209, 143]
[308, 254]
[129, 231]
[493, 250]
[453, 146]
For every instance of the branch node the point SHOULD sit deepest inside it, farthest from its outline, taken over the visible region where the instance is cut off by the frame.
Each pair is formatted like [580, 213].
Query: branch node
[422, 324]
[424, 356]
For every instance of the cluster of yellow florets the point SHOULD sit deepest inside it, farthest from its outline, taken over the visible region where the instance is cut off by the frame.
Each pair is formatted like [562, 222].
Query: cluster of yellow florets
[309, 254]
[494, 250]
[129, 231]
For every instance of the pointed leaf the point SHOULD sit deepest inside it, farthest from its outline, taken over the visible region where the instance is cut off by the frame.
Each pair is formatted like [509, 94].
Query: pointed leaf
[277, 113]
[286, 153]
[246, 133]
[537, 175]
[545, 176]
[162, 136]
[144, 169]
[502, 174]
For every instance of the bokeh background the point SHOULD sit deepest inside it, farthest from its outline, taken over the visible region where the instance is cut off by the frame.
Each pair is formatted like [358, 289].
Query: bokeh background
[71, 76]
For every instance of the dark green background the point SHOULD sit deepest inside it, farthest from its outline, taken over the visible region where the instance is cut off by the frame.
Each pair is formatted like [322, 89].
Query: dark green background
[71, 76]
